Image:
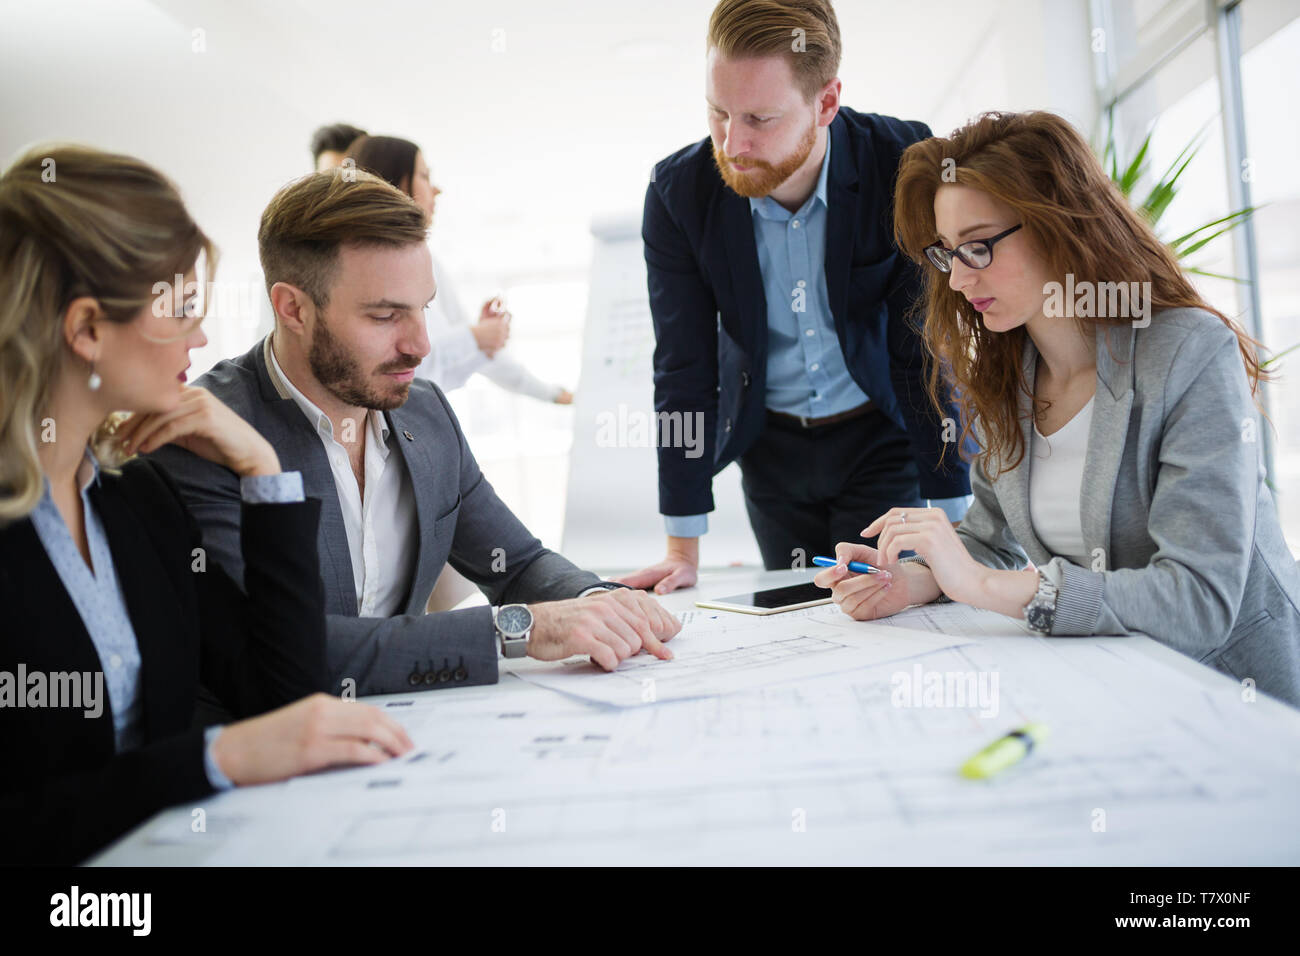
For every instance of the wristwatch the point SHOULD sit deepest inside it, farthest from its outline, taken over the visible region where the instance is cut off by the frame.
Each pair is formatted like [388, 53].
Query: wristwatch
[514, 622]
[1040, 612]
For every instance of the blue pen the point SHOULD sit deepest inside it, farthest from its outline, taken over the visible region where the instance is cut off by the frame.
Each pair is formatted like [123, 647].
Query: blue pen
[859, 567]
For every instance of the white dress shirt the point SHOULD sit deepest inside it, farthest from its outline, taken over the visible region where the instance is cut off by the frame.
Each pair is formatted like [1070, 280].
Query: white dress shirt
[382, 534]
[1055, 481]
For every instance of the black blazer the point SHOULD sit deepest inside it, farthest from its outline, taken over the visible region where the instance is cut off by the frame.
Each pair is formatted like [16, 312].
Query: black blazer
[710, 311]
[64, 791]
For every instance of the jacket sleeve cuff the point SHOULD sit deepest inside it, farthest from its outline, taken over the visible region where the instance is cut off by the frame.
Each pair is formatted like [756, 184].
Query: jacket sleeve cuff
[1078, 597]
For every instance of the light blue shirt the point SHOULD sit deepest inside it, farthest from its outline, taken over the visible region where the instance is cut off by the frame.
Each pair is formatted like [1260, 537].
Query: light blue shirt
[806, 372]
[97, 595]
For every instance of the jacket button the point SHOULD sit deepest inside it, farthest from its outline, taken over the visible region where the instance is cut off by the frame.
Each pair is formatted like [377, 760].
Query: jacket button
[461, 673]
[415, 678]
[431, 678]
[744, 379]
[727, 427]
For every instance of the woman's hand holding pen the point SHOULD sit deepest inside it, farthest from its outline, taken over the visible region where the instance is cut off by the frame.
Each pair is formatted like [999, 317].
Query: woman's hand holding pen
[930, 533]
[866, 597]
[952, 570]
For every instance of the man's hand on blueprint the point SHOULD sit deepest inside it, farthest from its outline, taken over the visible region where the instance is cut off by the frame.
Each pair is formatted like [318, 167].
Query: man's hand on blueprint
[609, 627]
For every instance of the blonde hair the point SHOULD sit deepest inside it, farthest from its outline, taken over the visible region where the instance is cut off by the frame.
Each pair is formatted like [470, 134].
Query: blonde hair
[74, 221]
[805, 32]
[308, 220]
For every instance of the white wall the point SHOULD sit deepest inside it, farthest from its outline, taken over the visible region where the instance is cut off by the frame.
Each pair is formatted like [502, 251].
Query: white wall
[536, 117]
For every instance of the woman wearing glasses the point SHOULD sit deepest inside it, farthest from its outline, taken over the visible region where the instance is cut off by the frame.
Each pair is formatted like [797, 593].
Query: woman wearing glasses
[112, 613]
[1114, 411]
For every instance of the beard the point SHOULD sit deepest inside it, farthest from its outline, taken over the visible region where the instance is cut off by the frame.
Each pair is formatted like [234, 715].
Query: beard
[762, 177]
[340, 374]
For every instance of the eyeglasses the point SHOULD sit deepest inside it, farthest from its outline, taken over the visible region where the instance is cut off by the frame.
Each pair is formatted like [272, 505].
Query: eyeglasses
[977, 254]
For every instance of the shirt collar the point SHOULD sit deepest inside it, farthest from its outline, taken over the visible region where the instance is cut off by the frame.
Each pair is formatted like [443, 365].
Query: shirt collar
[88, 470]
[87, 474]
[374, 419]
[769, 208]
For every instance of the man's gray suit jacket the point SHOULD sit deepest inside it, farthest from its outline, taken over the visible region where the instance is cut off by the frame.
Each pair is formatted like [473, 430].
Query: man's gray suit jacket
[461, 522]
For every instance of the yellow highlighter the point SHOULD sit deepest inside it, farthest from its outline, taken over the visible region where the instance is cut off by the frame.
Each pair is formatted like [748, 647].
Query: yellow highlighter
[1004, 752]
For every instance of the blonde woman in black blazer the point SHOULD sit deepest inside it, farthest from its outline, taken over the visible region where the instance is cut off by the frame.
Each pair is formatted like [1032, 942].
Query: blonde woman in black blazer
[113, 614]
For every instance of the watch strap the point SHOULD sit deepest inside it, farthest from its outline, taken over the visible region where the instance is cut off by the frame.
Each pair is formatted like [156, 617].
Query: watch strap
[511, 647]
[1040, 612]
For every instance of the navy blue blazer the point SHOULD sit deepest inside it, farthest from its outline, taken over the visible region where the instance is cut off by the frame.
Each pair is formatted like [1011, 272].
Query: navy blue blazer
[710, 311]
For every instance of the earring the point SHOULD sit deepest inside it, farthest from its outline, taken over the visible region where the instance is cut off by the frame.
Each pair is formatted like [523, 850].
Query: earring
[94, 381]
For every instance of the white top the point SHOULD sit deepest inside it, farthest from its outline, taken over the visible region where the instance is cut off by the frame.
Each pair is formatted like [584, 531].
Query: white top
[386, 516]
[454, 354]
[1055, 482]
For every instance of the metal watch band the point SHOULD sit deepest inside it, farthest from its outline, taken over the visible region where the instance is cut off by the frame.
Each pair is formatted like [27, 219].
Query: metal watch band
[511, 646]
[1040, 612]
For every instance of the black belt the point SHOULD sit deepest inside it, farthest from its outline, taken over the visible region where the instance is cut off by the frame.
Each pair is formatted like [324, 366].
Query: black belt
[803, 421]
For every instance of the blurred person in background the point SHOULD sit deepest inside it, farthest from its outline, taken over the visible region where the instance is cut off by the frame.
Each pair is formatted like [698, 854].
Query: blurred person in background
[329, 144]
[458, 348]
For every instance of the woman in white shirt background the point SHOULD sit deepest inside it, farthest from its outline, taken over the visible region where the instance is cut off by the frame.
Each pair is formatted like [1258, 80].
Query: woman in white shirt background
[459, 348]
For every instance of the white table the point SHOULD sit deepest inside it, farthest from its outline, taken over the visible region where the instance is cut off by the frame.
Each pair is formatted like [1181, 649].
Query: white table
[1154, 759]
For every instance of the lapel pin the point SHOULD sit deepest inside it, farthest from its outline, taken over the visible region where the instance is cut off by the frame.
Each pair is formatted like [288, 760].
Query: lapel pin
[407, 433]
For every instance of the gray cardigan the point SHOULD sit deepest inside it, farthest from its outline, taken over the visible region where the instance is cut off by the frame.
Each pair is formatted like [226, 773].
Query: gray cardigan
[1184, 537]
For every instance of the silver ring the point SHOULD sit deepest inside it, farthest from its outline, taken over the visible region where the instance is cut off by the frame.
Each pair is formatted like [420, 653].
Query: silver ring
[903, 517]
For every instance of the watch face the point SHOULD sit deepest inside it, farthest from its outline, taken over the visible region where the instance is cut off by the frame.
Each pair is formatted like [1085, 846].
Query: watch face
[514, 619]
[1037, 618]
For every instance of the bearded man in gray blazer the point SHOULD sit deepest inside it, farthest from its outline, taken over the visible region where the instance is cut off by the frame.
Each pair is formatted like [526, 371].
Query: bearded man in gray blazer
[333, 389]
